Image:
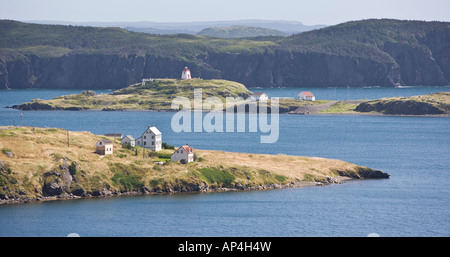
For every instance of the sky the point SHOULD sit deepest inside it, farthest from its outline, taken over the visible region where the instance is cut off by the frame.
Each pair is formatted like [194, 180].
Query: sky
[309, 12]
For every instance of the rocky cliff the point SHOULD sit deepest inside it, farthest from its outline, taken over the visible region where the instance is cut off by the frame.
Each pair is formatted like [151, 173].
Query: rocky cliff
[356, 54]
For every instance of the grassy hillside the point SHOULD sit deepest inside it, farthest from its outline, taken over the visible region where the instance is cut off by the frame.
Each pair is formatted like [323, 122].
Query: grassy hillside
[360, 53]
[28, 38]
[240, 32]
[38, 162]
[156, 95]
[436, 103]
[366, 38]
[357, 38]
[153, 95]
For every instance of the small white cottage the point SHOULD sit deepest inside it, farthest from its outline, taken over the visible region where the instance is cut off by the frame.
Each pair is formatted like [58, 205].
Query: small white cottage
[186, 73]
[306, 95]
[183, 154]
[150, 139]
[128, 140]
[104, 147]
[258, 96]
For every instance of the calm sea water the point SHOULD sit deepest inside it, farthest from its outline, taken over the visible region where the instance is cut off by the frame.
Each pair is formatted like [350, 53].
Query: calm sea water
[415, 201]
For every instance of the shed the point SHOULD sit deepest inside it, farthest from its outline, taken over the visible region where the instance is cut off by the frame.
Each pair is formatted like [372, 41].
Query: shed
[104, 147]
[306, 95]
[258, 96]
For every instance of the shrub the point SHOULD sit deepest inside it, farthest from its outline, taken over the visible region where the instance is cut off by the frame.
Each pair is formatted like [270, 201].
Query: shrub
[220, 177]
[167, 146]
[5, 150]
[156, 182]
[280, 178]
[73, 168]
[128, 182]
[164, 155]
[127, 146]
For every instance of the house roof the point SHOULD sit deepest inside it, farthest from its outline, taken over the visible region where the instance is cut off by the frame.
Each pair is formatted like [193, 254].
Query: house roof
[113, 135]
[105, 141]
[307, 93]
[129, 137]
[187, 148]
[154, 130]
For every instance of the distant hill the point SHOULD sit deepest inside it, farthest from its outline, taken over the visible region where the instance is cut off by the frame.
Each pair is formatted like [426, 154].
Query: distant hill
[356, 54]
[240, 32]
[164, 28]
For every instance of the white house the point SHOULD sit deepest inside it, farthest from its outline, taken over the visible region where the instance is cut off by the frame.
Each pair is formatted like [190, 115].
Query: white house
[150, 139]
[306, 95]
[186, 73]
[128, 140]
[258, 96]
[145, 81]
[185, 153]
[104, 147]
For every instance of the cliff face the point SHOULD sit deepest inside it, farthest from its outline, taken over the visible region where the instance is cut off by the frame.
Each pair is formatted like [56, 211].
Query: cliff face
[358, 54]
[288, 69]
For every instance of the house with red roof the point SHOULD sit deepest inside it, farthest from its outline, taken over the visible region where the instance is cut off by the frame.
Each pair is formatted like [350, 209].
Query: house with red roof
[306, 95]
[184, 154]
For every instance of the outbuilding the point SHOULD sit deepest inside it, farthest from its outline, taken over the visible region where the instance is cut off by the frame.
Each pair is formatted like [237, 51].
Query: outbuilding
[104, 147]
[128, 140]
[306, 95]
[258, 96]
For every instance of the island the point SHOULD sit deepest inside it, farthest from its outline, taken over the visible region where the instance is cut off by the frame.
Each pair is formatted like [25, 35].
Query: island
[158, 94]
[40, 164]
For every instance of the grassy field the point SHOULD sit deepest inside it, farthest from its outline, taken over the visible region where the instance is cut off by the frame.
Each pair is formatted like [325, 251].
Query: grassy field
[37, 162]
[158, 94]
[153, 95]
[435, 103]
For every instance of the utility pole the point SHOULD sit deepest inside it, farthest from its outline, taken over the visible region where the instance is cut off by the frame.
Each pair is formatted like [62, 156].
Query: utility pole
[68, 140]
[20, 118]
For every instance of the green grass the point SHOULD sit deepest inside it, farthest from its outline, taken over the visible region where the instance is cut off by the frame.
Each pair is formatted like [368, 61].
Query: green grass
[217, 176]
[435, 103]
[341, 107]
[153, 95]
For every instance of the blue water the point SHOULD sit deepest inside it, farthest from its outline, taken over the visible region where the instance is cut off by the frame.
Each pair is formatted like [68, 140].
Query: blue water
[414, 201]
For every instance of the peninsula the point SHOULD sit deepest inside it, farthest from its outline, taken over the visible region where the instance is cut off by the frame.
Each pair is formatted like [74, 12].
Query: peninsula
[39, 164]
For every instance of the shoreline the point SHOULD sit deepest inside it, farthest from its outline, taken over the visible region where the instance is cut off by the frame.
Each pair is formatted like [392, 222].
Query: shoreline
[288, 113]
[168, 191]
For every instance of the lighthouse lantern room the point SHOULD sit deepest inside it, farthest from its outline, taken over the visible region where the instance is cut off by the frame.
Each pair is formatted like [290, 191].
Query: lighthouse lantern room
[186, 74]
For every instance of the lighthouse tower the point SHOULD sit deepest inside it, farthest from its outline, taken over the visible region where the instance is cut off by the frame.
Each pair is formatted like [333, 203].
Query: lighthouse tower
[186, 74]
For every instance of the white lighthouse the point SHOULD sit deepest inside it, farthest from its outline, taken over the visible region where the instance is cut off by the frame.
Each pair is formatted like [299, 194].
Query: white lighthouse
[186, 74]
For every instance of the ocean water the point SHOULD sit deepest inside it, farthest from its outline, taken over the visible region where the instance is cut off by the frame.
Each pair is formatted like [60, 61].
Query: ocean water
[414, 201]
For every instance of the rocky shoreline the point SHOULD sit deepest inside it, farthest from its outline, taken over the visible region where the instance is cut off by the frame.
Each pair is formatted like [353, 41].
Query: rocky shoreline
[184, 188]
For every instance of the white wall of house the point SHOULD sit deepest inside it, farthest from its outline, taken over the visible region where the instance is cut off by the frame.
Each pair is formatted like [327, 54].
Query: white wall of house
[307, 98]
[102, 148]
[261, 97]
[150, 139]
[181, 154]
[128, 140]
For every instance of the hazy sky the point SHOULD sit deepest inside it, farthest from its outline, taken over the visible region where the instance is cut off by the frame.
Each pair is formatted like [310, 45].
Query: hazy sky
[309, 12]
